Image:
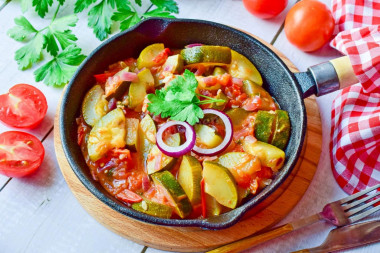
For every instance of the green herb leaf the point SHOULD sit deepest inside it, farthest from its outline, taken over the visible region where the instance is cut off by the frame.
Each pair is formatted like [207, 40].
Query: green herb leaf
[127, 17]
[42, 6]
[61, 68]
[30, 53]
[23, 29]
[80, 5]
[158, 13]
[138, 2]
[179, 100]
[99, 18]
[25, 5]
[59, 30]
[168, 5]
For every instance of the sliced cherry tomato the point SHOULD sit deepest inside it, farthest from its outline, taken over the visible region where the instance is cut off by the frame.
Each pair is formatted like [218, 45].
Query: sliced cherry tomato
[265, 8]
[128, 196]
[309, 25]
[23, 107]
[20, 154]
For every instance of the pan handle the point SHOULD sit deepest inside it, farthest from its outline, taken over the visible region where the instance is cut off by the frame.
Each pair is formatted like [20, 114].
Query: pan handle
[327, 77]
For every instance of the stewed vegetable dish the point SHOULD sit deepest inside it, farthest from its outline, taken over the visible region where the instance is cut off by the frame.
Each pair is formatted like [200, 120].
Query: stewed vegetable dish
[182, 133]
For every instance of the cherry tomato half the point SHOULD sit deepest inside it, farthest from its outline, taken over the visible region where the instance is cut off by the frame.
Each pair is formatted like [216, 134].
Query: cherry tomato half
[20, 154]
[23, 107]
[265, 8]
[309, 25]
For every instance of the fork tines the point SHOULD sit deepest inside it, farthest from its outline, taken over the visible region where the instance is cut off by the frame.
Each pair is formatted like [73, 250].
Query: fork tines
[357, 208]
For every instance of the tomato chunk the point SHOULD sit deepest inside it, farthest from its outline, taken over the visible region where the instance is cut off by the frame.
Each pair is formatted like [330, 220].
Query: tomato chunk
[128, 196]
[24, 106]
[20, 154]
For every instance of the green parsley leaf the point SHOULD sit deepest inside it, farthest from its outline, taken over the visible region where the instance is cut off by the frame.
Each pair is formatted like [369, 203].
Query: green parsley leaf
[80, 5]
[127, 17]
[168, 5]
[31, 52]
[99, 18]
[59, 30]
[138, 2]
[179, 100]
[61, 68]
[42, 6]
[25, 5]
[23, 29]
[158, 13]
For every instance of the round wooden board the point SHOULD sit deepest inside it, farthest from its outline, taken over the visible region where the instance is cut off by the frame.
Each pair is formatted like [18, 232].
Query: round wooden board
[265, 215]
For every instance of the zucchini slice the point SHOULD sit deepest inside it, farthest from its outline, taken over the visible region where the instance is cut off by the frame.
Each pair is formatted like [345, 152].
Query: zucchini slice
[166, 182]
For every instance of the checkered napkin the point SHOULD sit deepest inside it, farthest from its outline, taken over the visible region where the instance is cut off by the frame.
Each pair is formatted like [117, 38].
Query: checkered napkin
[355, 118]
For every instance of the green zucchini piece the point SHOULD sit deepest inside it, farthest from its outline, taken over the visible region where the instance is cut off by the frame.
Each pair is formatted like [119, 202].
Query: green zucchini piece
[108, 133]
[237, 116]
[219, 105]
[213, 54]
[206, 135]
[132, 126]
[219, 71]
[148, 128]
[94, 105]
[148, 54]
[282, 132]
[166, 183]
[213, 208]
[243, 68]
[167, 162]
[137, 93]
[115, 87]
[174, 64]
[252, 89]
[269, 155]
[146, 78]
[189, 177]
[246, 161]
[220, 183]
[265, 124]
[153, 208]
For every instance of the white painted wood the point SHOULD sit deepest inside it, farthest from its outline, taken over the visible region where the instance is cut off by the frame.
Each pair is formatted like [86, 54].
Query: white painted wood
[39, 214]
[232, 13]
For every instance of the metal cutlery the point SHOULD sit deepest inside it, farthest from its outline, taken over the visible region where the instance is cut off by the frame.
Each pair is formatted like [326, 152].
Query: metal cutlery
[339, 213]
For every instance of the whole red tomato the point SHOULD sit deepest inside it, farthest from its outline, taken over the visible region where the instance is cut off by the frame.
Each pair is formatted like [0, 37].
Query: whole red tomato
[309, 25]
[265, 8]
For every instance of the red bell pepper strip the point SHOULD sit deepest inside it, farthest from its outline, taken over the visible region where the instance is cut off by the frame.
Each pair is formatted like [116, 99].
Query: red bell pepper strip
[203, 199]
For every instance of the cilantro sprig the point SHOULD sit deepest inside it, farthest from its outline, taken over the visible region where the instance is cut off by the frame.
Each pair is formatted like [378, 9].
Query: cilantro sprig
[179, 101]
[57, 39]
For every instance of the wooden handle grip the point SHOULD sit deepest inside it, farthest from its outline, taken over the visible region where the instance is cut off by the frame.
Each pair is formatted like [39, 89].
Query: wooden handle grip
[344, 71]
[301, 251]
[253, 240]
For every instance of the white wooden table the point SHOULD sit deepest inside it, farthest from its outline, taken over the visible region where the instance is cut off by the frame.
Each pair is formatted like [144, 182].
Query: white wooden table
[39, 213]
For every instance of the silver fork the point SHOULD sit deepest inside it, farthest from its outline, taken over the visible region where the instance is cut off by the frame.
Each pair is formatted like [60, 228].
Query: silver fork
[339, 213]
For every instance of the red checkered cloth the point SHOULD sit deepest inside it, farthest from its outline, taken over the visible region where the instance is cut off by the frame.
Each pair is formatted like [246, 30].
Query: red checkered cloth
[355, 119]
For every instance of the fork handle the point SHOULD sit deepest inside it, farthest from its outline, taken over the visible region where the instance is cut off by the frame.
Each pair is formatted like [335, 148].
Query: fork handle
[254, 240]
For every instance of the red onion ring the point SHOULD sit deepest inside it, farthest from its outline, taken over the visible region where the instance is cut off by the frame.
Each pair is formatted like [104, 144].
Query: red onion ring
[180, 150]
[227, 138]
[129, 77]
[194, 45]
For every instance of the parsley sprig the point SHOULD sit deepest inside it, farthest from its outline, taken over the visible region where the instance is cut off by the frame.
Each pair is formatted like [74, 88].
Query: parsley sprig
[53, 38]
[58, 40]
[179, 101]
